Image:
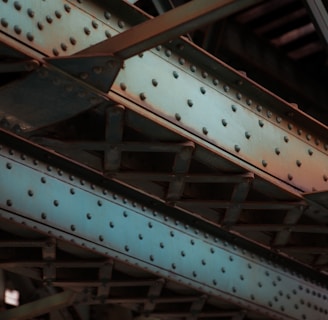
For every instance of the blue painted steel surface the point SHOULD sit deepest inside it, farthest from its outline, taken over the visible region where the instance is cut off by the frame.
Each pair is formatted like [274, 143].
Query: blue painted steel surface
[54, 202]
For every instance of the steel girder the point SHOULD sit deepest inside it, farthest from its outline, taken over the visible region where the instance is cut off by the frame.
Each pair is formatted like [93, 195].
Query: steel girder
[159, 243]
[209, 104]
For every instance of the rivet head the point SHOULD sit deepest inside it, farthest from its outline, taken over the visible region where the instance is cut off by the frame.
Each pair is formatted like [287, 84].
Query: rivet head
[121, 24]
[239, 96]
[193, 68]
[168, 53]
[86, 31]
[215, 81]
[40, 25]
[94, 24]
[202, 90]
[224, 122]
[298, 163]
[261, 123]
[17, 5]
[63, 46]
[259, 108]
[190, 103]
[142, 96]
[97, 70]
[48, 19]
[290, 177]
[17, 29]
[30, 13]
[108, 34]
[205, 131]
[123, 86]
[308, 137]
[247, 135]
[182, 61]
[277, 151]
[58, 14]
[55, 52]
[72, 41]
[249, 102]
[29, 36]
[325, 177]
[286, 139]
[84, 75]
[67, 8]
[226, 88]
[4, 22]
[237, 148]
[177, 117]
[107, 15]
[154, 82]
[264, 163]
[175, 74]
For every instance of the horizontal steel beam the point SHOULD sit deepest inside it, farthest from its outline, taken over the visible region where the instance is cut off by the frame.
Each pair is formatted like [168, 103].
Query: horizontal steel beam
[152, 240]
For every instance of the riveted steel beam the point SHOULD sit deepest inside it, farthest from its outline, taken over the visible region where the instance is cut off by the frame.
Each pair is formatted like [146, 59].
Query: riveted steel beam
[163, 245]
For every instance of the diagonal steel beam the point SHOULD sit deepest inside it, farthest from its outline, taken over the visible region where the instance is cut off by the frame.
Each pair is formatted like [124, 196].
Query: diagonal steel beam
[39, 307]
[166, 27]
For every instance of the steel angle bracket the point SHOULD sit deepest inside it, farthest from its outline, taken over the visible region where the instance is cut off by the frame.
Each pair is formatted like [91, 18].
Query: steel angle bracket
[97, 71]
[53, 201]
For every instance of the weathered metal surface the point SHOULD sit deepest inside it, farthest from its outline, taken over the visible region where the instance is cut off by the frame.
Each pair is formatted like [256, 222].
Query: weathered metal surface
[153, 241]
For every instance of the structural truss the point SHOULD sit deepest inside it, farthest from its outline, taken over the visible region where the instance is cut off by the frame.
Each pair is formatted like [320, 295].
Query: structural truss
[143, 177]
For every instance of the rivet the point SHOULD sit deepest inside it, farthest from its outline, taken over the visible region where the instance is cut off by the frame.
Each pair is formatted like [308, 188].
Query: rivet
[279, 119]
[226, 88]
[193, 68]
[101, 238]
[277, 151]
[308, 137]
[161, 245]
[123, 86]
[151, 257]
[264, 163]
[269, 114]
[72, 191]
[215, 81]
[17, 5]
[325, 177]
[168, 53]
[317, 141]
[154, 82]
[259, 108]
[290, 177]
[140, 55]
[175, 74]
[224, 122]
[94, 24]
[99, 203]
[9, 203]
[237, 148]
[17, 29]
[290, 126]
[48, 19]
[67, 8]
[190, 103]
[261, 123]
[286, 139]
[4, 22]
[183, 254]
[126, 248]
[223, 270]
[55, 51]
[58, 14]
[177, 116]
[182, 61]
[142, 96]
[29, 36]
[203, 262]
[202, 90]
[108, 34]
[30, 13]
[30, 193]
[247, 135]
[173, 265]
[310, 151]
[239, 95]
[194, 274]
[205, 131]
[86, 31]
[121, 24]
[8, 165]
[97, 70]
[84, 75]
[40, 25]
[107, 15]
[159, 48]
[43, 215]
[326, 146]
[299, 131]
[298, 163]
[56, 203]
[63, 46]
[249, 102]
